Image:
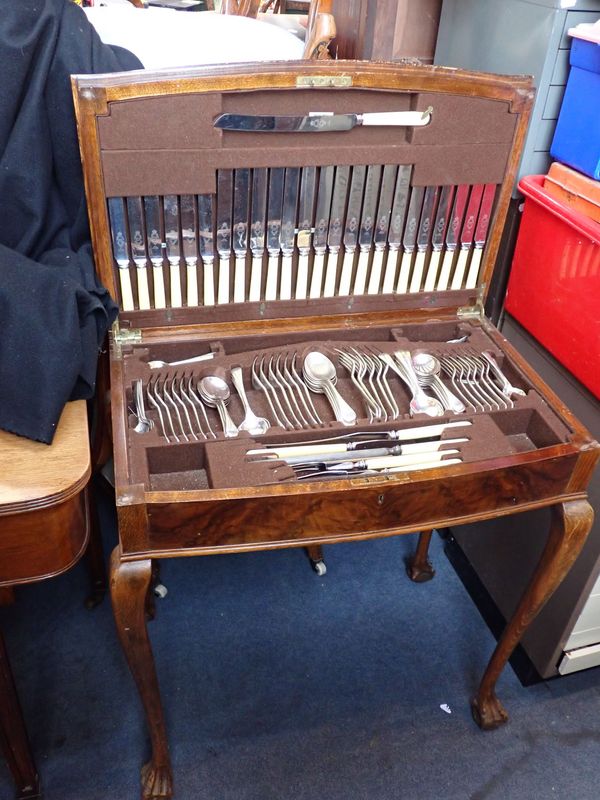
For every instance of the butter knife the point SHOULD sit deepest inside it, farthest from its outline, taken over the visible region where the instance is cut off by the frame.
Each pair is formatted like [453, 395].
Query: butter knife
[319, 122]
[257, 231]
[173, 247]
[467, 235]
[274, 211]
[288, 230]
[367, 226]
[322, 216]
[483, 223]
[207, 246]
[138, 250]
[305, 221]
[437, 237]
[382, 224]
[452, 236]
[334, 237]
[156, 248]
[241, 202]
[118, 230]
[224, 201]
[189, 226]
[351, 227]
[425, 225]
[399, 208]
[409, 240]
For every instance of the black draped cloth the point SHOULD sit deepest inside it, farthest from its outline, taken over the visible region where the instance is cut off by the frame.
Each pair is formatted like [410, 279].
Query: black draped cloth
[53, 312]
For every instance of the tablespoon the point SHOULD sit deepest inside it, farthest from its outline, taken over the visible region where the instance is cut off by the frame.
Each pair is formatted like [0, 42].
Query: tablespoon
[319, 372]
[251, 423]
[215, 393]
[420, 403]
[428, 370]
[158, 364]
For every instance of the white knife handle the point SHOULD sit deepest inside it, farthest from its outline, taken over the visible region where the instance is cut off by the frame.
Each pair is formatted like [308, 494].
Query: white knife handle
[143, 291]
[158, 279]
[432, 271]
[389, 278]
[383, 462]
[126, 291]
[417, 276]
[209, 283]
[239, 280]
[413, 119]
[430, 465]
[272, 275]
[223, 288]
[300, 450]
[346, 277]
[302, 277]
[331, 273]
[192, 283]
[402, 286]
[473, 275]
[316, 281]
[446, 269]
[461, 265]
[175, 285]
[285, 287]
[375, 276]
[255, 279]
[360, 280]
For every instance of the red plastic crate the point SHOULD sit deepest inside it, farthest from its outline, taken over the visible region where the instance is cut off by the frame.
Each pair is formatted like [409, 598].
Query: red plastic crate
[554, 285]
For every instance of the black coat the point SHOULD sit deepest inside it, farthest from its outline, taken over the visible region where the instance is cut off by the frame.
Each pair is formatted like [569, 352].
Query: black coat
[53, 312]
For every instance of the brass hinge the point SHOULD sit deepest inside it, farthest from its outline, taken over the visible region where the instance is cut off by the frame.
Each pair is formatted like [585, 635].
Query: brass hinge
[125, 336]
[320, 81]
[472, 312]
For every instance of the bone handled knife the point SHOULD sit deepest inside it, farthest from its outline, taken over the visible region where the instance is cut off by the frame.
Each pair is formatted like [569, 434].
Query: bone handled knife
[274, 212]
[287, 236]
[156, 248]
[322, 216]
[483, 223]
[409, 240]
[467, 235]
[241, 203]
[305, 222]
[319, 122]
[399, 208]
[367, 225]
[351, 227]
[224, 203]
[189, 226]
[334, 237]
[382, 224]
[207, 246]
[437, 237]
[138, 250]
[452, 236]
[173, 243]
[257, 231]
[425, 226]
[118, 230]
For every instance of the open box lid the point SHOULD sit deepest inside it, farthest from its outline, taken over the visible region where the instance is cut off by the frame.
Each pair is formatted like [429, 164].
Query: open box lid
[152, 134]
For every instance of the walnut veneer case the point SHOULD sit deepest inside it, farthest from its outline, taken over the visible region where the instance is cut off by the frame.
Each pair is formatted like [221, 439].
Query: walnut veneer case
[260, 247]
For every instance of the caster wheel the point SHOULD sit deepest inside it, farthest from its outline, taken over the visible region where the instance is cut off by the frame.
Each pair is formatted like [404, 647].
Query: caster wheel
[160, 590]
[320, 568]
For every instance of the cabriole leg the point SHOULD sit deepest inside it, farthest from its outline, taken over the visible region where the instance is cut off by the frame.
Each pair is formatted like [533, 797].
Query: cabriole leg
[418, 566]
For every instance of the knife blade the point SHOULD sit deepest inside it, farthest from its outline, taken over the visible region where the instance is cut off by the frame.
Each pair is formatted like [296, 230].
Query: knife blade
[452, 236]
[351, 227]
[382, 224]
[305, 222]
[467, 234]
[119, 235]
[206, 238]
[409, 240]
[322, 215]
[173, 243]
[398, 216]
[257, 230]
[367, 225]
[319, 122]
[224, 203]
[429, 204]
[437, 237]
[274, 212]
[138, 250]
[156, 248]
[334, 236]
[189, 227]
[241, 204]
[483, 222]
[288, 229]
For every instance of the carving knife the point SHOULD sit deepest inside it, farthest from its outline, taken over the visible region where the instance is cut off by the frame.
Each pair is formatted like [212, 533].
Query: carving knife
[189, 226]
[437, 237]
[322, 216]
[288, 230]
[429, 204]
[118, 230]
[385, 462]
[241, 202]
[173, 247]
[398, 217]
[367, 225]
[409, 240]
[351, 227]
[224, 201]
[207, 246]
[334, 238]
[305, 222]
[257, 230]
[274, 211]
[319, 122]
[375, 448]
[483, 223]
[467, 234]
[382, 224]
[156, 248]
[458, 212]
[138, 249]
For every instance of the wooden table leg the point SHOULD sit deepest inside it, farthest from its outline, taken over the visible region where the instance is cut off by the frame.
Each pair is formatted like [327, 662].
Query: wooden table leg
[13, 735]
[129, 582]
[94, 554]
[571, 523]
[315, 555]
[418, 566]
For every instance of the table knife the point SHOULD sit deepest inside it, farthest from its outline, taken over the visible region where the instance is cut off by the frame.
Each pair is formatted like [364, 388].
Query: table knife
[118, 230]
[207, 246]
[483, 223]
[319, 122]
[305, 223]
[156, 248]
[334, 237]
[425, 225]
[458, 212]
[437, 237]
[173, 243]
[399, 208]
[224, 203]
[241, 203]
[367, 225]
[467, 234]
[382, 224]
[287, 236]
[138, 250]
[351, 227]
[409, 240]
[322, 216]
[257, 230]
[189, 226]
[274, 212]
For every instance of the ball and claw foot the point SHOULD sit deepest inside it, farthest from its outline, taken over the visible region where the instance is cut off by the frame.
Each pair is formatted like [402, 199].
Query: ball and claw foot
[419, 572]
[157, 782]
[488, 713]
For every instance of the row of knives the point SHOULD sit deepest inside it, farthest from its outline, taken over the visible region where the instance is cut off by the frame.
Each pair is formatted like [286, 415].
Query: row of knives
[327, 231]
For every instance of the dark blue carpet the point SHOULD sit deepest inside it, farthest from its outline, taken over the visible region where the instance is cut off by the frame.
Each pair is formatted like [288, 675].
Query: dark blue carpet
[282, 685]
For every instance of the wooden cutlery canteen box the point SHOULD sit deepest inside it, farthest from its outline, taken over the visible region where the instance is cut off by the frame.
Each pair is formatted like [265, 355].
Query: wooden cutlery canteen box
[324, 234]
